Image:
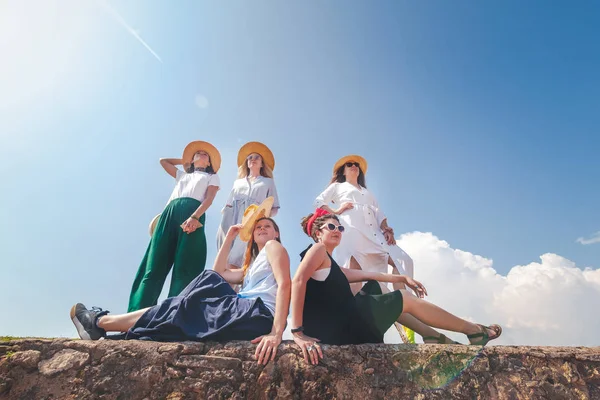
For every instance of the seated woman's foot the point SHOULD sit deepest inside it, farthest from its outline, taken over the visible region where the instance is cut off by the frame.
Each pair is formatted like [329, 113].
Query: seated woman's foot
[85, 321]
[485, 334]
[441, 339]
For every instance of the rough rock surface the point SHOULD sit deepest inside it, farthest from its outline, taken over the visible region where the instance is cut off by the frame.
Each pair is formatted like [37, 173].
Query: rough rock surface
[75, 369]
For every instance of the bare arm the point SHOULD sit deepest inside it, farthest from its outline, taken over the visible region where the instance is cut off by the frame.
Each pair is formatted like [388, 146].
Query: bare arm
[280, 264]
[220, 266]
[327, 197]
[193, 222]
[169, 165]
[358, 275]
[388, 232]
[384, 225]
[211, 192]
[314, 259]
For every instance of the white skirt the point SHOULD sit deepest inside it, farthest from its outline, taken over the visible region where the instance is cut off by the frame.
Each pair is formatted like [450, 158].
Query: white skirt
[370, 255]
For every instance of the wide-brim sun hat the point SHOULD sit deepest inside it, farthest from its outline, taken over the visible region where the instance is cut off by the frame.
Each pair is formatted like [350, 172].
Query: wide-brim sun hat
[353, 157]
[253, 213]
[200, 145]
[258, 148]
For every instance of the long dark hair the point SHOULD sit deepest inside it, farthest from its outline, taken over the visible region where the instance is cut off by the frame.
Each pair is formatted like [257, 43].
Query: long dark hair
[338, 176]
[208, 170]
[252, 248]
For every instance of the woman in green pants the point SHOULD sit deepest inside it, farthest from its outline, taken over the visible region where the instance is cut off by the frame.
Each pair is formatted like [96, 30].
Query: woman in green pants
[178, 238]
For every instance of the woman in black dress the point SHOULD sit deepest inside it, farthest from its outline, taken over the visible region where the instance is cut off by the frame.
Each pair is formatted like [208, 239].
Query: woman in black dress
[324, 310]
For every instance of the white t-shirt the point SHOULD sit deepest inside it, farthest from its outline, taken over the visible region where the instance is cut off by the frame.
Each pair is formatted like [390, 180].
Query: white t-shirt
[193, 185]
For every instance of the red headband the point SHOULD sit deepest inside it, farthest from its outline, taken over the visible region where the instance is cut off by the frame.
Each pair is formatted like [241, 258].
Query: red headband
[319, 212]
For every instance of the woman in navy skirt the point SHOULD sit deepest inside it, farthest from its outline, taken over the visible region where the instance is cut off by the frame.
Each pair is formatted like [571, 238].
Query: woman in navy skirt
[324, 309]
[208, 308]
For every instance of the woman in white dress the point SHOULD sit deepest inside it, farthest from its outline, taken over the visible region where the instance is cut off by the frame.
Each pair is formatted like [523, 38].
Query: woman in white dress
[368, 238]
[368, 242]
[254, 184]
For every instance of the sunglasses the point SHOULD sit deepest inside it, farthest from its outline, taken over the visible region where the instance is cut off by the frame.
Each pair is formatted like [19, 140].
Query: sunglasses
[332, 227]
[253, 157]
[350, 164]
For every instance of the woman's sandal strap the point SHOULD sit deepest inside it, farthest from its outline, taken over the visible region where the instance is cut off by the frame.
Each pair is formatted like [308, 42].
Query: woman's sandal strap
[483, 334]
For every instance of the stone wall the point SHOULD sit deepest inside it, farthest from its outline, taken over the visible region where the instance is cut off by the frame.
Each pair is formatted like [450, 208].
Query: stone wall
[75, 369]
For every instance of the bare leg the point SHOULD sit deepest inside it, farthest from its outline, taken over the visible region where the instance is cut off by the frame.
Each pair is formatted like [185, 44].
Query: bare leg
[437, 317]
[120, 323]
[407, 319]
[413, 323]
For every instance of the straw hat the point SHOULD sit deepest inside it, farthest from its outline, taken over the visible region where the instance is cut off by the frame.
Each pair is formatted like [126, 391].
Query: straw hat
[259, 148]
[252, 214]
[199, 145]
[353, 157]
[153, 223]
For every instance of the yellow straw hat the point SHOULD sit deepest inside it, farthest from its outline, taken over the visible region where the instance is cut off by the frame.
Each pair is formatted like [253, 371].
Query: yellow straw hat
[199, 145]
[259, 148]
[252, 214]
[353, 157]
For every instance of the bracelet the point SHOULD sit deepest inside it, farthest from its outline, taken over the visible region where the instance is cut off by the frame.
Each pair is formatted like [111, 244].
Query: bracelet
[298, 329]
[196, 218]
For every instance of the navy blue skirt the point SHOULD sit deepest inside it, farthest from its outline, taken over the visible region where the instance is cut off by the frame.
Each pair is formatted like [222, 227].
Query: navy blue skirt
[207, 309]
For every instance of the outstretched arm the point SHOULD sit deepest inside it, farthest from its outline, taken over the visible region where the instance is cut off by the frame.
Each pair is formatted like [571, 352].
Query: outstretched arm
[358, 275]
[280, 263]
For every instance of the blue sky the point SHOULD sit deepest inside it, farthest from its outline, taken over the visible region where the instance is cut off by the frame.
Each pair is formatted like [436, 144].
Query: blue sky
[479, 123]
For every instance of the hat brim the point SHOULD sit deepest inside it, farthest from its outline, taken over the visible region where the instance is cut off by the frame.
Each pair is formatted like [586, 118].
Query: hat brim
[353, 157]
[152, 225]
[259, 148]
[248, 221]
[199, 145]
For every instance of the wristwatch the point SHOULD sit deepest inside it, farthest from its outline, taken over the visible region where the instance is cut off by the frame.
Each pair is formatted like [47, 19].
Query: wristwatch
[298, 329]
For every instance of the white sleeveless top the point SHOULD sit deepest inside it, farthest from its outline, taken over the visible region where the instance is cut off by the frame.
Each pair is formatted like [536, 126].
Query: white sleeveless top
[260, 282]
[321, 274]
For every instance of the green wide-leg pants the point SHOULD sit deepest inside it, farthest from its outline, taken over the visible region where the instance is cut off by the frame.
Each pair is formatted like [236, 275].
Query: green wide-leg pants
[170, 247]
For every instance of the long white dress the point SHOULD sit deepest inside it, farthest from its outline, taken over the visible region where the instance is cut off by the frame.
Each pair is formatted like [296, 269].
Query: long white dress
[363, 238]
[244, 193]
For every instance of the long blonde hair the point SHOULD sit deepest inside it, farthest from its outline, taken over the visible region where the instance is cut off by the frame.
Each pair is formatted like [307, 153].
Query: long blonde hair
[252, 247]
[244, 171]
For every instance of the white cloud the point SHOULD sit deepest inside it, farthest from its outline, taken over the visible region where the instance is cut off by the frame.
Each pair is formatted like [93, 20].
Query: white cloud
[594, 239]
[551, 302]
[201, 101]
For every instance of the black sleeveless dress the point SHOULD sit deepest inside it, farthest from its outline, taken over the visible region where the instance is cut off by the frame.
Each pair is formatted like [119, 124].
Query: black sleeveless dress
[334, 316]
